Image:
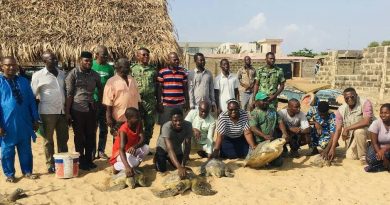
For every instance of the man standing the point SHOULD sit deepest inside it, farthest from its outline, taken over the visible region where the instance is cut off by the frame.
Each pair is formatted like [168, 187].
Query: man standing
[225, 86]
[246, 76]
[145, 76]
[120, 93]
[18, 120]
[105, 71]
[200, 84]
[81, 108]
[172, 89]
[352, 121]
[297, 126]
[270, 80]
[48, 86]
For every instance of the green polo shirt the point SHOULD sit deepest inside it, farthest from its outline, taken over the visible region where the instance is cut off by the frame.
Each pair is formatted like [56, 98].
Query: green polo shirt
[105, 71]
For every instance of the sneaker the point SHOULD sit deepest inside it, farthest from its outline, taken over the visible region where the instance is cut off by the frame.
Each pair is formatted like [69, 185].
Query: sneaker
[92, 165]
[51, 170]
[84, 167]
[103, 155]
[10, 179]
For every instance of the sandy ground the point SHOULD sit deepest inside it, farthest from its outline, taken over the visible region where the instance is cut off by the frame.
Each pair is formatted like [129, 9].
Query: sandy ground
[296, 182]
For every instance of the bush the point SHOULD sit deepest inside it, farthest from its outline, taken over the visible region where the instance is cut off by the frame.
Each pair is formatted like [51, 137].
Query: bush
[385, 43]
[373, 44]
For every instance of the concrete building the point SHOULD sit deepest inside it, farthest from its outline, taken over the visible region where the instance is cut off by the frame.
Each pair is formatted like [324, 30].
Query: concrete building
[199, 47]
[270, 45]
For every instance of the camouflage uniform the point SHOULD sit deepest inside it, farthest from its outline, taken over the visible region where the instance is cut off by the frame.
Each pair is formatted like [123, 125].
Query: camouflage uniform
[269, 80]
[266, 121]
[146, 80]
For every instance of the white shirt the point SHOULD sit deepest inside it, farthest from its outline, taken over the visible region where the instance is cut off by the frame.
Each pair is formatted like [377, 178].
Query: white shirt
[226, 86]
[50, 90]
[298, 120]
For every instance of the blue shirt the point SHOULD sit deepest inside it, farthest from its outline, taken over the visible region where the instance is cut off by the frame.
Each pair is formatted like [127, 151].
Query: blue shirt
[18, 110]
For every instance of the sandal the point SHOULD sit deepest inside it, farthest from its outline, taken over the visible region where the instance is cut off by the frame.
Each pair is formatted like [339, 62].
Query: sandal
[31, 176]
[10, 179]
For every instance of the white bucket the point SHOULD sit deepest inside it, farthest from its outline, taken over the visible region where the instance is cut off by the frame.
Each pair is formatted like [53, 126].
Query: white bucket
[66, 164]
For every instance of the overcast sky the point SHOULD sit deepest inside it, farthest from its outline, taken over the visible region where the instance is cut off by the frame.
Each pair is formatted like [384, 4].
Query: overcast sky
[314, 24]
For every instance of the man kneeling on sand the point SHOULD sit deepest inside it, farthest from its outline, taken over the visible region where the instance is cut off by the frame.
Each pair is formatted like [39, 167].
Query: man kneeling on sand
[263, 121]
[298, 128]
[129, 149]
[169, 144]
[352, 121]
[203, 126]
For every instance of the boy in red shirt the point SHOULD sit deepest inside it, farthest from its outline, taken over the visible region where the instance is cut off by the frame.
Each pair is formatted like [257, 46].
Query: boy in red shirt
[129, 149]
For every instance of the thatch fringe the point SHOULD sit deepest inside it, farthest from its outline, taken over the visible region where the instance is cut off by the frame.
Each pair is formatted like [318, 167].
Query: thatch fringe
[29, 27]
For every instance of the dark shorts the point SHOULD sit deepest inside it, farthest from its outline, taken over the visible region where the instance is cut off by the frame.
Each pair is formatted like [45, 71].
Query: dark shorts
[161, 157]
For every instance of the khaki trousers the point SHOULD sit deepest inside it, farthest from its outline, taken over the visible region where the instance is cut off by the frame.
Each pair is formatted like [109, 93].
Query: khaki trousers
[51, 122]
[357, 145]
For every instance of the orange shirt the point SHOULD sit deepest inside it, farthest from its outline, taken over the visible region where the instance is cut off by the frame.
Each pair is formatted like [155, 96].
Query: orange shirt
[132, 139]
[121, 96]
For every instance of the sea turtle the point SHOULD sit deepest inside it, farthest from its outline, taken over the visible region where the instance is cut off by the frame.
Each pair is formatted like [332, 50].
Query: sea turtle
[217, 168]
[11, 198]
[264, 153]
[319, 161]
[120, 181]
[174, 185]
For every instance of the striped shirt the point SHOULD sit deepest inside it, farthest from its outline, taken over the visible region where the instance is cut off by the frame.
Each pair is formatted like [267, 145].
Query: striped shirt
[173, 82]
[230, 129]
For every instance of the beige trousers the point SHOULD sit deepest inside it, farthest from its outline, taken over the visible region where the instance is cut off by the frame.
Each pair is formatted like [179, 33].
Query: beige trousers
[357, 145]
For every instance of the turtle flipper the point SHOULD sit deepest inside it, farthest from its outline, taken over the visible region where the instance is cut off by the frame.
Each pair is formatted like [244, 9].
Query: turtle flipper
[183, 185]
[117, 187]
[140, 179]
[165, 193]
[201, 187]
[228, 172]
[17, 194]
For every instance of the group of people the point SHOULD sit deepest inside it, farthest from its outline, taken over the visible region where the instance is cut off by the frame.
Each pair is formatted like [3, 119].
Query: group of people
[125, 98]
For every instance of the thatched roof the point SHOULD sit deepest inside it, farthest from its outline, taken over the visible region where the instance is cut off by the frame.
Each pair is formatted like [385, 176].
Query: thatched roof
[29, 27]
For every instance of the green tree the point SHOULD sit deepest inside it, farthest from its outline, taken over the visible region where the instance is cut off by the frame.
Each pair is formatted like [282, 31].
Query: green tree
[303, 52]
[373, 44]
[385, 43]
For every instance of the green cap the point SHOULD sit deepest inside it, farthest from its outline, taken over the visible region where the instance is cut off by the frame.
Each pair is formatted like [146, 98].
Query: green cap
[261, 96]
